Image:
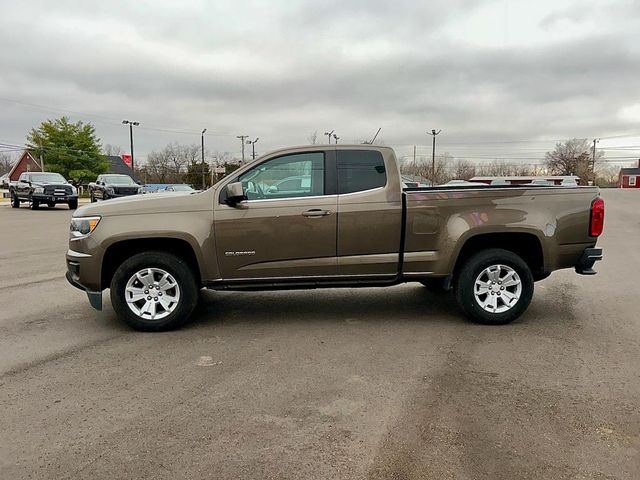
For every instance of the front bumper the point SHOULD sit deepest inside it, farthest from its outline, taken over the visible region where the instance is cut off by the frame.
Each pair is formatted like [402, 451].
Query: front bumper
[41, 197]
[95, 298]
[81, 269]
[589, 257]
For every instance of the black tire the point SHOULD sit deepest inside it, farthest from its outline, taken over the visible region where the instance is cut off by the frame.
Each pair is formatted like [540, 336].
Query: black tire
[73, 204]
[15, 201]
[470, 271]
[35, 204]
[51, 204]
[435, 285]
[178, 268]
[93, 199]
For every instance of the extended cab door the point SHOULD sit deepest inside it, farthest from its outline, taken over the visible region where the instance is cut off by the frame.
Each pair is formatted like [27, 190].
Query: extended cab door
[369, 212]
[287, 226]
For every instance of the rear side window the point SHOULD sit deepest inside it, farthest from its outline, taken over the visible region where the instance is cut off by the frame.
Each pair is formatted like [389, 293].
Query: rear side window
[360, 170]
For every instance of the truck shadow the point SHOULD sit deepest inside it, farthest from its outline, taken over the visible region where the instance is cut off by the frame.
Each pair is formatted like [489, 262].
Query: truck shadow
[411, 302]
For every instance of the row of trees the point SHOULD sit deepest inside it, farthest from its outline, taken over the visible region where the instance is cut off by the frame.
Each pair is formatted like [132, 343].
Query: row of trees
[572, 157]
[75, 151]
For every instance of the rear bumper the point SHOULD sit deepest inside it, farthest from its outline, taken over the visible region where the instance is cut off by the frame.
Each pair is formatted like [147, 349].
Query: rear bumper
[589, 257]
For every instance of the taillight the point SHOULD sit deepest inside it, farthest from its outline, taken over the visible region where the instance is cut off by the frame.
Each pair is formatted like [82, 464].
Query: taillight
[596, 223]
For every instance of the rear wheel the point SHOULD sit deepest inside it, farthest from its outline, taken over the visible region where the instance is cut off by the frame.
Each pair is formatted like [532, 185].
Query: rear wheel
[15, 201]
[494, 287]
[154, 291]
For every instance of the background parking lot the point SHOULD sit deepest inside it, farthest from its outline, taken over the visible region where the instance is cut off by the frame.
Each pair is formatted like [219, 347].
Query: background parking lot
[356, 383]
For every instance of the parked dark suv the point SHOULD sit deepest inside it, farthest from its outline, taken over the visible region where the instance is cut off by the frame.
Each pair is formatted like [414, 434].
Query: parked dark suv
[42, 187]
[113, 186]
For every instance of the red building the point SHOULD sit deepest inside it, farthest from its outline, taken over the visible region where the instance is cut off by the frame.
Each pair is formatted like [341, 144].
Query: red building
[26, 163]
[629, 177]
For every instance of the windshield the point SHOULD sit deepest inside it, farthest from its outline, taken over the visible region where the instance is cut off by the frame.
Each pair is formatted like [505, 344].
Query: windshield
[118, 180]
[47, 177]
[180, 188]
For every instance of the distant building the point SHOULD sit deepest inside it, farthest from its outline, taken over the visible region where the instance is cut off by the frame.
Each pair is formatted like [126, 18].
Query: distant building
[629, 177]
[554, 179]
[118, 164]
[26, 163]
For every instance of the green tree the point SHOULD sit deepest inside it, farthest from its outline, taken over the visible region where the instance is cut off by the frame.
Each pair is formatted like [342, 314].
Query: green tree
[71, 149]
[194, 174]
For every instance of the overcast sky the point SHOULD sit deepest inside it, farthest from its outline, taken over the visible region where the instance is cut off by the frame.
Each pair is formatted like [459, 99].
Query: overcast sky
[482, 71]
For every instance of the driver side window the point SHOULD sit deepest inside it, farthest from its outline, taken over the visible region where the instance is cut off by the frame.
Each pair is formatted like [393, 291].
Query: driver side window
[296, 175]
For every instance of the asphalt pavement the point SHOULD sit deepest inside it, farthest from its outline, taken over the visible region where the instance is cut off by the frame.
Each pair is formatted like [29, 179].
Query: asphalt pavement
[321, 384]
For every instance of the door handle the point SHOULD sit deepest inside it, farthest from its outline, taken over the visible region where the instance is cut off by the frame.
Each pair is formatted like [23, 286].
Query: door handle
[316, 212]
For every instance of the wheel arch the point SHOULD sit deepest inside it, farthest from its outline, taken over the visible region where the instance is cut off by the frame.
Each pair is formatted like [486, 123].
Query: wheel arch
[526, 245]
[120, 250]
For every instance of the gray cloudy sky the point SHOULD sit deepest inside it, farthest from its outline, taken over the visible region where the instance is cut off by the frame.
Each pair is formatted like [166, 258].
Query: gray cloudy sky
[482, 71]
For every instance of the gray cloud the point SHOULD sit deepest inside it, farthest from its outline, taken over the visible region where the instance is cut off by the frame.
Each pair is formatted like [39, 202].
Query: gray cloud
[280, 70]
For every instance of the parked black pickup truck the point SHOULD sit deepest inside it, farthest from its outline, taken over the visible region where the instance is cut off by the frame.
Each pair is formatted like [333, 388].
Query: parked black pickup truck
[113, 186]
[42, 187]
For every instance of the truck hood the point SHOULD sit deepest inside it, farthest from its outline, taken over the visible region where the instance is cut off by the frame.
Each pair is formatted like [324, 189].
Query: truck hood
[149, 204]
[55, 184]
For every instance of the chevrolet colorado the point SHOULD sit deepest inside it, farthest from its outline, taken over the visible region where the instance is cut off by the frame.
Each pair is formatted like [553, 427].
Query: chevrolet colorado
[330, 216]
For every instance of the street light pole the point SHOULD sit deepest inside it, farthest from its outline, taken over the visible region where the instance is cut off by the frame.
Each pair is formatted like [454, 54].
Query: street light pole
[433, 133]
[131, 125]
[328, 134]
[202, 141]
[242, 137]
[253, 147]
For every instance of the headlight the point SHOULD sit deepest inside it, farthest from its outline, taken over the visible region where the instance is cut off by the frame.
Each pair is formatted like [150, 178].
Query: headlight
[83, 226]
[38, 190]
[74, 190]
[110, 190]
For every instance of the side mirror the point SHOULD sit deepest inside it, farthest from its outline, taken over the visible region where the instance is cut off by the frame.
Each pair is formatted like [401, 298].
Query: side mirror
[235, 193]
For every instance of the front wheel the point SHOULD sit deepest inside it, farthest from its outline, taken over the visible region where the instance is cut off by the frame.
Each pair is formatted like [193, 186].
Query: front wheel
[494, 287]
[15, 201]
[73, 204]
[35, 204]
[154, 291]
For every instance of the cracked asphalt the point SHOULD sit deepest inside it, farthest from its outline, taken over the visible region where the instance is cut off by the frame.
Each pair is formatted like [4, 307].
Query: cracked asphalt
[322, 384]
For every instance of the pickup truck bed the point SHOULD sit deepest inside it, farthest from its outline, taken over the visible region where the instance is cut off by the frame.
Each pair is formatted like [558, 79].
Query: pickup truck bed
[333, 216]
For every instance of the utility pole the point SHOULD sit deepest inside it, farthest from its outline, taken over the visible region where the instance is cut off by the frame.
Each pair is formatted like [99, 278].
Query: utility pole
[131, 125]
[202, 141]
[433, 133]
[242, 137]
[336, 138]
[328, 134]
[253, 147]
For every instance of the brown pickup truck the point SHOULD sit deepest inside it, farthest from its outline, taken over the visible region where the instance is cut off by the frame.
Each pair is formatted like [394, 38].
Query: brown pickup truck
[331, 216]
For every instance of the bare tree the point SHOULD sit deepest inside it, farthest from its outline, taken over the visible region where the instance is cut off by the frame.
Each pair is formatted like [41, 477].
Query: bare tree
[463, 169]
[572, 157]
[109, 149]
[313, 138]
[6, 162]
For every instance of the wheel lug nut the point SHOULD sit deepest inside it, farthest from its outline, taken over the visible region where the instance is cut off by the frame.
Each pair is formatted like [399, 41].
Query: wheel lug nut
[148, 298]
[501, 288]
[159, 294]
[156, 298]
[493, 293]
[146, 292]
[498, 293]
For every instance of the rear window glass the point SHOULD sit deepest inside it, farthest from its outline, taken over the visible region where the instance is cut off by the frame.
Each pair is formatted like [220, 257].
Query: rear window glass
[360, 170]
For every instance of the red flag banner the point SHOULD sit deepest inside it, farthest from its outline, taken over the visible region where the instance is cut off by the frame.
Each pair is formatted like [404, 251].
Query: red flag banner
[126, 159]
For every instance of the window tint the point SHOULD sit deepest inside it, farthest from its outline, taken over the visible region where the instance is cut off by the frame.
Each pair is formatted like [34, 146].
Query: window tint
[297, 175]
[360, 170]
